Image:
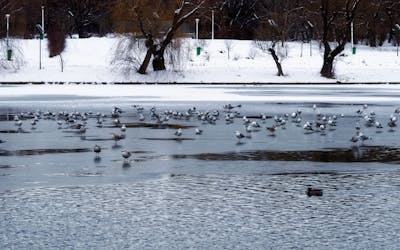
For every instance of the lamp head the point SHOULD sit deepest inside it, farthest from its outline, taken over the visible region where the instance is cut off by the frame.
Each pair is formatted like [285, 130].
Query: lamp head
[40, 28]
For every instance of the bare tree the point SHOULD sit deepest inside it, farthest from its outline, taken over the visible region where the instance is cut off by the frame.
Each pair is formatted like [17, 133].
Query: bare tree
[178, 54]
[128, 54]
[156, 47]
[393, 16]
[270, 47]
[56, 43]
[80, 16]
[337, 17]
[238, 18]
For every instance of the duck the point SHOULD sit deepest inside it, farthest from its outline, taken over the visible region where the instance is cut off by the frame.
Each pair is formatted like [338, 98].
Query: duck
[311, 191]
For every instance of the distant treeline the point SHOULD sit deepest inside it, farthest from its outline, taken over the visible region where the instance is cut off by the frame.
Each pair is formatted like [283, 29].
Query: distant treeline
[375, 21]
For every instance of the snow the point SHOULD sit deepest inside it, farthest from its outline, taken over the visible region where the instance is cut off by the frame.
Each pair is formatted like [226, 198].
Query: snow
[88, 60]
[378, 93]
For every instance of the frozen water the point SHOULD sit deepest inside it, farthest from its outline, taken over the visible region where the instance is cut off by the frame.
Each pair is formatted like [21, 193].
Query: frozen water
[169, 196]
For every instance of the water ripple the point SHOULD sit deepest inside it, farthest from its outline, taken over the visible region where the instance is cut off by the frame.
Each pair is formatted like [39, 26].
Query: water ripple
[207, 212]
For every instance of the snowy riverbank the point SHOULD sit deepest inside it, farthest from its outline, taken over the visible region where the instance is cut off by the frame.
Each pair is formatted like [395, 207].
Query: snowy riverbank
[88, 60]
[378, 94]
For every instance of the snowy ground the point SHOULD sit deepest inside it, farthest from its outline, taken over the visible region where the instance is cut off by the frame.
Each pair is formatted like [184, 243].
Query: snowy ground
[88, 60]
[350, 94]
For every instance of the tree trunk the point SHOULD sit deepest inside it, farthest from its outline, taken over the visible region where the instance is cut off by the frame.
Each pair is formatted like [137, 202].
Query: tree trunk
[145, 64]
[158, 54]
[329, 57]
[276, 59]
[158, 61]
[61, 63]
[372, 38]
[327, 67]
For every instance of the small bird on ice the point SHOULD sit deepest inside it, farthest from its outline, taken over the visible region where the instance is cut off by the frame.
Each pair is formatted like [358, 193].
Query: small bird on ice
[178, 132]
[97, 150]
[123, 128]
[239, 135]
[126, 154]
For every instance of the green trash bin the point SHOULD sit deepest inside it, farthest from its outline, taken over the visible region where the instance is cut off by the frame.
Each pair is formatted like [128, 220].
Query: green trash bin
[354, 50]
[9, 54]
[198, 50]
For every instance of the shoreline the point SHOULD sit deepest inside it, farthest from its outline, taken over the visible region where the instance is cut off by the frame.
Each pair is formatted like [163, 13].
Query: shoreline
[338, 83]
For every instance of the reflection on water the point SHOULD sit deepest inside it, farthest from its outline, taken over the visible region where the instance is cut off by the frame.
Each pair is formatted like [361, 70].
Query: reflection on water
[354, 154]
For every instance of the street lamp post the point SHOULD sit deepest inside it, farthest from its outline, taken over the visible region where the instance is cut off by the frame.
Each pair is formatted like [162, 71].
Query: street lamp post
[8, 28]
[9, 51]
[43, 19]
[198, 49]
[197, 28]
[212, 24]
[352, 38]
[40, 28]
[398, 37]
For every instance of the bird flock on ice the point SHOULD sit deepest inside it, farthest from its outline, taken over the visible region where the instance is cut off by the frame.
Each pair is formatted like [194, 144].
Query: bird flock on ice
[229, 114]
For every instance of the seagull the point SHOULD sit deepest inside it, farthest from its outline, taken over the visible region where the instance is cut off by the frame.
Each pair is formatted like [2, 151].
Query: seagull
[198, 131]
[82, 130]
[239, 135]
[117, 137]
[59, 123]
[272, 130]
[308, 127]
[245, 120]
[255, 125]
[357, 127]
[297, 120]
[33, 123]
[378, 125]
[97, 150]
[126, 154]
[322, 129]
[18, 123]
[263, 118]
[249, 129]
[99, 122]
[123, 128]
[363, 137]
[141, 117]
[354, 138]
[392, 123]
[178, 132]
